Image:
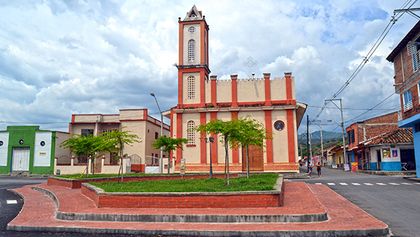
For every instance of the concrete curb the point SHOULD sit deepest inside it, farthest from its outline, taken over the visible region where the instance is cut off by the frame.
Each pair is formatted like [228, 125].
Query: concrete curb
[412, 179]
[387, 173]
[310, 233]
[318, 217]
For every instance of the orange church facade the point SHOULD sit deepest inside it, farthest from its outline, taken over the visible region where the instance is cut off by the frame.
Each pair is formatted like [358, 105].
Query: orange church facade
[202, 98]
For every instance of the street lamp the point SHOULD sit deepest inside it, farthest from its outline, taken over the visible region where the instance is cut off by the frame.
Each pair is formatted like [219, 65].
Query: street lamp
[210, 140]
[161, 134]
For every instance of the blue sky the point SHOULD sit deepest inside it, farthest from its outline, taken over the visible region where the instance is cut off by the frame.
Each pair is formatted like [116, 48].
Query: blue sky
[64, 57]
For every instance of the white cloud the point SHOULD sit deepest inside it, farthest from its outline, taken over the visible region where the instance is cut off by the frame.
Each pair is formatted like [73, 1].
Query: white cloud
[58, 58]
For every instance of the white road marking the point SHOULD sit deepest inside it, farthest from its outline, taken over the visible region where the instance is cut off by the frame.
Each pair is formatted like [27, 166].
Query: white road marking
[406, 183]
[357, 184]
[382, 184]
[368, 184]
[318, 183]
[11, 201]
[394, 184]
[331, 184]
[344, 184]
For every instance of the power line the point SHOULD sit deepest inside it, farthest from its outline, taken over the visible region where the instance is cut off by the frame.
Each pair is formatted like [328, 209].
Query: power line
[359, 109]
[381, 102]
[370, 53]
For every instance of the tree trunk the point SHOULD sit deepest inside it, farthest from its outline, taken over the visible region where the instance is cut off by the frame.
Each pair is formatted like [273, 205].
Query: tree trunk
[92, 163]
[121, 171]
[227, 161]
[87, 166]
[247, 160]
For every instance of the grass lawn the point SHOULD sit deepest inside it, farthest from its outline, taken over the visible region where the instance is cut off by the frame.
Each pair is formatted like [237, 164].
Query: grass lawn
[256, 182]
[83, 176]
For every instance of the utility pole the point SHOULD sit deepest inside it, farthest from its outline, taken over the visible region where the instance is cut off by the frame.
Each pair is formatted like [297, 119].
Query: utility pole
[342, 126]
[161, 134]
[310, 144]
[322, 146]
[307, 140]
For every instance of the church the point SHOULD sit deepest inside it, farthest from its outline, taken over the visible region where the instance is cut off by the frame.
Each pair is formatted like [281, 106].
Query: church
[203, 97]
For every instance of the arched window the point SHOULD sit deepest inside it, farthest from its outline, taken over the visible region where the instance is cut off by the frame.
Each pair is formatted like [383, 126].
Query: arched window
[191, 87]
[191, 29]
[191, 50]
[191, 132]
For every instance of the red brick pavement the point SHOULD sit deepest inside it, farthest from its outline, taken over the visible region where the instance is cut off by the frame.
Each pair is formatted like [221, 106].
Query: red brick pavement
[39, 211]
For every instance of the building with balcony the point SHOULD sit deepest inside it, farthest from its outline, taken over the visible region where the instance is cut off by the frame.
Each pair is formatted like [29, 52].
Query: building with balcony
[406, 59]
[134, 121]
[203, 98]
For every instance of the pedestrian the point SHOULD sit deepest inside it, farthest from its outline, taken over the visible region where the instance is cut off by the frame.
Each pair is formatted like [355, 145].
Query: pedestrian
[310, 166]
[318, 168]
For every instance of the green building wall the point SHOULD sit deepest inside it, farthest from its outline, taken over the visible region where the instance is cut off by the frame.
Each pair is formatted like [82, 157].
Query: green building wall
[27, 133]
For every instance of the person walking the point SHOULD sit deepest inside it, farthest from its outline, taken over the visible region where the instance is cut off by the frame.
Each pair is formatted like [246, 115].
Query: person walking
[310, 166]
[318, 168]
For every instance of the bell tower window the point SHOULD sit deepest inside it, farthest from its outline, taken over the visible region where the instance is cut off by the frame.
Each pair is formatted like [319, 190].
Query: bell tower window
[191, 87]
[190, 132]
[191, 29]
[191, 50]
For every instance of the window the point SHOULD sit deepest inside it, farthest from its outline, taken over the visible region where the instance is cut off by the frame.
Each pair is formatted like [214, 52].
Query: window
[191, 133]
[191, 50]
[156, 135]
[350, 136]
[191, 29]
[415, 54]
[418, 91]
[191, 87]
[407, 100]
[87, 132]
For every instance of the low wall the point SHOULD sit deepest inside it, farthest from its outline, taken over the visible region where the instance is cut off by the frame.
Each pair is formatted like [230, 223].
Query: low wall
[245, 199]
[77, 183]
[138, 168]
[68, 169]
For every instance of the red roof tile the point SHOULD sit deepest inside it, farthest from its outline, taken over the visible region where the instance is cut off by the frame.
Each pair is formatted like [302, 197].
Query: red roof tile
[398, 136]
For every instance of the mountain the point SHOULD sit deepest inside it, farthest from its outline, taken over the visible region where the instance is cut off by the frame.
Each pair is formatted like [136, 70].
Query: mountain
[316, 137]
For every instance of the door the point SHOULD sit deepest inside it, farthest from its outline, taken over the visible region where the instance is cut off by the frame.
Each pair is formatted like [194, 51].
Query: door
[256, 158]
[407, 159]
[20, 158]
[379, 159]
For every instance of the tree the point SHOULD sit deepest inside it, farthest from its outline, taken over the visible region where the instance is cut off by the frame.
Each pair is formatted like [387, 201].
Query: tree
[251, 132]
[230, 130]
[169, 144]
[84, 146]
[115, 141]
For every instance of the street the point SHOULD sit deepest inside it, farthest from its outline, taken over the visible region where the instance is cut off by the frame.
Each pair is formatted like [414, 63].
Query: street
[394, 200]
[10, 205]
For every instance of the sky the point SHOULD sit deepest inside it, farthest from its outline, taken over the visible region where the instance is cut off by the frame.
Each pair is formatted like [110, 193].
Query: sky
[63, 57]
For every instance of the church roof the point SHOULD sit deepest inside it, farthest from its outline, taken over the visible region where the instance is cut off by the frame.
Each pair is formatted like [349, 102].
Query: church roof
[194, 15]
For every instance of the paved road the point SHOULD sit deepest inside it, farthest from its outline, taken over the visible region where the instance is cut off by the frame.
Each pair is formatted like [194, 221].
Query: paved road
[9, 210]
[394, 200]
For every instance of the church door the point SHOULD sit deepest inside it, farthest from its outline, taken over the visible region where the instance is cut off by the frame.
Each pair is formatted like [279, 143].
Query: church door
[256, 158]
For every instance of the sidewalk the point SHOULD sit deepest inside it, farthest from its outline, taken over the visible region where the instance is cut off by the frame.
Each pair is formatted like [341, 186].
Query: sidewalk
[68, 210]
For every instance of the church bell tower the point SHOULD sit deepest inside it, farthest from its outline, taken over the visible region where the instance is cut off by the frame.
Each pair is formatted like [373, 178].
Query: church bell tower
[193, 64]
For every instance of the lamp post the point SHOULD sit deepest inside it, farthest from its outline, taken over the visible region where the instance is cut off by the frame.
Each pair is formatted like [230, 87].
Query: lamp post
[161, 133]
[210, 140]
